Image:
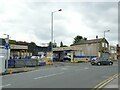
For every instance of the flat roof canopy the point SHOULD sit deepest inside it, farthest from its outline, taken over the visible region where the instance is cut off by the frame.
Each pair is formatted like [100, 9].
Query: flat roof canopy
[18, 47]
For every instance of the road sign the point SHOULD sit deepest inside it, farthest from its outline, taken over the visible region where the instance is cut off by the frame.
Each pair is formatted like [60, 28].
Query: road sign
[7, 46]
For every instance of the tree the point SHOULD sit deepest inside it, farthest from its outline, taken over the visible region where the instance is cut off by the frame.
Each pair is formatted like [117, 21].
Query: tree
[85, 38]
[61, 44]
[12, 41]
[54, 45]
[50, 44]
[78, 39]
[33, 43]
[33, 48]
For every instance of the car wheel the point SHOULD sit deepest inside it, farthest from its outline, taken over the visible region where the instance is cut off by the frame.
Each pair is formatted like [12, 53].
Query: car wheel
[92, 64]
[99, 64]
[110, 63]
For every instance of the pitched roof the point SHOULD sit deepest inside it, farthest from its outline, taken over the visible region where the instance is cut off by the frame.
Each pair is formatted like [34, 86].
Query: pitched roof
[89, 41]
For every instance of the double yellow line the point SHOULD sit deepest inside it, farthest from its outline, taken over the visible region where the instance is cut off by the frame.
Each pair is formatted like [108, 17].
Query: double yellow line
[105, 82]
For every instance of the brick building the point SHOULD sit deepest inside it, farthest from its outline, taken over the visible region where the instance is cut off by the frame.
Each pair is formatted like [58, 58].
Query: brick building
[118, 51]
[22, 48]
[85, 49]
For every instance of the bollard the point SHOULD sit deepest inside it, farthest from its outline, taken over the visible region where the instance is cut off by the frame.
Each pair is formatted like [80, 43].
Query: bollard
[51, 62]
[10, 71]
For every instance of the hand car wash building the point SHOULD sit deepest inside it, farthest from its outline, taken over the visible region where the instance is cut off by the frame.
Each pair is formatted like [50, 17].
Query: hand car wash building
[84, 50]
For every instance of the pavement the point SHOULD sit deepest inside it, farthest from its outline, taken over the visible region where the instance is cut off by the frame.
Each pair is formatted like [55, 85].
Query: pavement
[18, 70]
[27, 69]
[113, 83]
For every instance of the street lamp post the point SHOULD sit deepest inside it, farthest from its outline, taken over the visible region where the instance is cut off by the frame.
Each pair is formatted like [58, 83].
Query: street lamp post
[105, 32]
[52, 13]
[104, 38]
[7, 47]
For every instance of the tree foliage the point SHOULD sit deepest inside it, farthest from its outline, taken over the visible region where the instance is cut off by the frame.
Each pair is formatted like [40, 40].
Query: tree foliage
[50, 44]
[79, 38]
[61, 44]
[12, 41]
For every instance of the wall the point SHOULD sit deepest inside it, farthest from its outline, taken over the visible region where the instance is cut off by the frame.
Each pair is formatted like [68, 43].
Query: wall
[87, 49]
[3, 57]
[118, 52]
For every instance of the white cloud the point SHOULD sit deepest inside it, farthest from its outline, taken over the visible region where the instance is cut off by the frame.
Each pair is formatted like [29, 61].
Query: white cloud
[30, 20]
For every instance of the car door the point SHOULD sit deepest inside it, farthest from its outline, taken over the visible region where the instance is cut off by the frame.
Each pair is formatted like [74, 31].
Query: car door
[105, 62]
[102, 62]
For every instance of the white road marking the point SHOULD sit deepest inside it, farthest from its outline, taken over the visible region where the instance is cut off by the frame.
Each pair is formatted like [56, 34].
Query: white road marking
[51, 68]
[82, 69]
[86, 68]
[5, 85]
[49, 75]
[64, 68]
[68, 66]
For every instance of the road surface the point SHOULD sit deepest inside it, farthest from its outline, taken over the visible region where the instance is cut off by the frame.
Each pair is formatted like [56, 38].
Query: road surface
[70, 75]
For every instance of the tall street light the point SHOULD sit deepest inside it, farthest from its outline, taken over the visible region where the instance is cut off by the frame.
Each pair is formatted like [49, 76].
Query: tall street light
[52, 13]
[104, 38]
[105, 32]
[7, 47]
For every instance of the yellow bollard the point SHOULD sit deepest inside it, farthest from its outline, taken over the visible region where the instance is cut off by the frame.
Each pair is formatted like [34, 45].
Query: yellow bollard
[10, 71]
[47, 62]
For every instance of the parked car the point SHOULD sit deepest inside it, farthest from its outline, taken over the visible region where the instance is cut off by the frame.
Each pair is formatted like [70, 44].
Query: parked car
[67, 57]
[56, 59]
[101, 61]
[93, 59]
[35, 57]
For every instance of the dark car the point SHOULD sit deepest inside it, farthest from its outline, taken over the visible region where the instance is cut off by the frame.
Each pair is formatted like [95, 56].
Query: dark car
[101, 62]
[56, 59]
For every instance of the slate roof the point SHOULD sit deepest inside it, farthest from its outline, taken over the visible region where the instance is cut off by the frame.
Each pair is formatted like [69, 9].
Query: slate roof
[90, 41]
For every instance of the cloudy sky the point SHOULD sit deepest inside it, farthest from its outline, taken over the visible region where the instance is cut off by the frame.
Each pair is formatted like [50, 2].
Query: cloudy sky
[30, 20]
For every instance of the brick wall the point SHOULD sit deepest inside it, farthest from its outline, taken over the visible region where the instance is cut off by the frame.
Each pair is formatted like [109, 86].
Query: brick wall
[118, 52]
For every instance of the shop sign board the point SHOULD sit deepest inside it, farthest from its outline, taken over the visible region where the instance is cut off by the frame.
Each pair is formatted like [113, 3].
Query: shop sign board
[19, 47]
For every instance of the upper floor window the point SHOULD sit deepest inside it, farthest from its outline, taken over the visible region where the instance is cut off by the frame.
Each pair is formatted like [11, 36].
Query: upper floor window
[104, 45]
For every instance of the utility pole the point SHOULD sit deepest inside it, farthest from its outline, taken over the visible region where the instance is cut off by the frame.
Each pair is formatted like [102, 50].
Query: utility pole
[52, 13]
[104, 42]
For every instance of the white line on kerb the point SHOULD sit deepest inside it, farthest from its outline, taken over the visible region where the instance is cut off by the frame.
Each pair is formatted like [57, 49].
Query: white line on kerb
[5, 85]
[49, 75]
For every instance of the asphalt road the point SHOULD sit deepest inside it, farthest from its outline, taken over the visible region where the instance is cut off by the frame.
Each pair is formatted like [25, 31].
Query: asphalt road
[70, 75]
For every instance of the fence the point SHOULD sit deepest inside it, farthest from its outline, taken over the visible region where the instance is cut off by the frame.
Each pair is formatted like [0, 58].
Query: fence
[22, 62]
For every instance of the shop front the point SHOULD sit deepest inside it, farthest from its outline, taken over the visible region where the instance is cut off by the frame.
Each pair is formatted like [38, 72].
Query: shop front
[19, 50]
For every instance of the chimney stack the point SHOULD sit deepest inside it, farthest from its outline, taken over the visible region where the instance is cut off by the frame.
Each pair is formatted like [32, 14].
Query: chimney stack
[96, 36]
